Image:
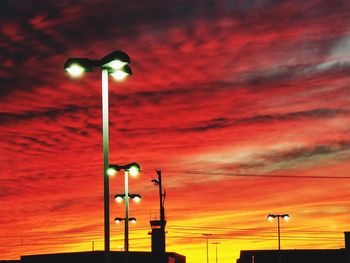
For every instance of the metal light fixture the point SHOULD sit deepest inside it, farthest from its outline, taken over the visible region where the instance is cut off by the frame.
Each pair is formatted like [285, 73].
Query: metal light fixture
[115, 64]
[120, 197]
[207, 237]
[216, 250]
[117, 220]
[133, 169]
[285, 217]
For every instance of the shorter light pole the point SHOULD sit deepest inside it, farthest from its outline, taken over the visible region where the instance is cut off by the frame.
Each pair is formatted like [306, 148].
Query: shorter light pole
[216, 250]
[133, 169]
[117, 220]
[270, 217]
[207, 237]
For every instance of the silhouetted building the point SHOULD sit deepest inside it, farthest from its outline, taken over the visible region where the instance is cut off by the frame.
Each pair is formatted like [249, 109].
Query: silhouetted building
[341, 255]
[98, 257]
[158, 236]
[293, 256]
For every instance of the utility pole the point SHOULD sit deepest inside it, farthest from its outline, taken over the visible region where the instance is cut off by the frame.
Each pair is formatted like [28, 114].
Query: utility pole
[161, 198]
[158, 226]
[207, 237]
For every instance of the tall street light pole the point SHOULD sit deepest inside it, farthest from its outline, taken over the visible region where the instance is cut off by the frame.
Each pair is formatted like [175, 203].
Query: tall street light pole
[207, 237]
[115, 64]
[105, 132]
[270, 217]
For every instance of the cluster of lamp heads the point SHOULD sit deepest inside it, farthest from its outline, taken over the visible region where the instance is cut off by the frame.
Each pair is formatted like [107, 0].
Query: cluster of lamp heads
[117, 220]
[120, 197]
[271, 217]
[133, 169]
[116, 63]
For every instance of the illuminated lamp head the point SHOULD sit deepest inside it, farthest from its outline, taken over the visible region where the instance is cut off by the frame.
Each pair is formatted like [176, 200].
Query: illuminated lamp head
[134, 169]
[76, 67]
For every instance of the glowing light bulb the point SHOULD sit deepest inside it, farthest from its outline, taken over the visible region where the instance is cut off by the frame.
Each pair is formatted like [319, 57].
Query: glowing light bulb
[111, 171]
[75, 70]
[117, 64]
[119, 199]
[119, 75]
[137, 199]
[134, 170]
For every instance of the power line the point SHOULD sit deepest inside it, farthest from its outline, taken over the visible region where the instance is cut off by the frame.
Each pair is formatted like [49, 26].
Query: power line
[186, 232]
[32, 178]
[259, 175]
[257, 238]
[201, 228]
[247, 175]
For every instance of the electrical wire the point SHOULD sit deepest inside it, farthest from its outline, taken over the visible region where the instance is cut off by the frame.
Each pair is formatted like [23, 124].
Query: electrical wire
[192, 172]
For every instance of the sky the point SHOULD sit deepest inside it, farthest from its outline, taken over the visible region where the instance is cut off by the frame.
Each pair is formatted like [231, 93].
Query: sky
[243, 106]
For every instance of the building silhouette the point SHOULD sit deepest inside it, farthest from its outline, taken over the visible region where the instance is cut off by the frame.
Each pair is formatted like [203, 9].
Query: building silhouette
[98, 257]
[341, 255]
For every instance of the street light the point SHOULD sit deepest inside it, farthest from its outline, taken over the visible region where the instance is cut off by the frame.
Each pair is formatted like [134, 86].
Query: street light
[207, 237]
[133, 169]
[120, 197]
[271, 217]
[216, 250]
[117, 220]
[115, 64]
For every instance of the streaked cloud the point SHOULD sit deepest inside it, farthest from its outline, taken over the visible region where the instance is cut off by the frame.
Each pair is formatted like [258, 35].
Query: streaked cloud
[219, 89]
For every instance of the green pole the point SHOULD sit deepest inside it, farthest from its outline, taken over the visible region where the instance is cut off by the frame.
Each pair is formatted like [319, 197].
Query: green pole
[105, 162]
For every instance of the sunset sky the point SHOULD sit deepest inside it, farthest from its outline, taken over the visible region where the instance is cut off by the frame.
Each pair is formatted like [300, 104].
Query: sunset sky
[244, 105]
